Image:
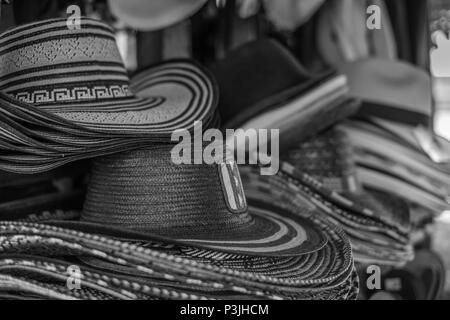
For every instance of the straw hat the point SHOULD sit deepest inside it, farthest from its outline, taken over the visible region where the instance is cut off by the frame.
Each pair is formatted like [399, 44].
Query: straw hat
[65, 95]
[77, 76]
[200, 204]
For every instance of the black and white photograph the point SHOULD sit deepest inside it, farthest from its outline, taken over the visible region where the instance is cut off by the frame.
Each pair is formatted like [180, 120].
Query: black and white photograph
[242, 151]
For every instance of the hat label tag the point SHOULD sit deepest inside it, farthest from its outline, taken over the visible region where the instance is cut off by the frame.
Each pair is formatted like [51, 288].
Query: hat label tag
[232, 188]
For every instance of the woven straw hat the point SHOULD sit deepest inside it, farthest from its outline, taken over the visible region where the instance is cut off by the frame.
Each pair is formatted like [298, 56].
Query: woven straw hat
[372, 241]
[323, 172]
[65, 95]
[143, 266]
[76, 78]
[200, 205]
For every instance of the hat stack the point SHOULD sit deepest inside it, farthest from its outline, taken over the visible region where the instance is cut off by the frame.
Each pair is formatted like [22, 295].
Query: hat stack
[329, 159]
[372, 239]
[395, 150]
[263, 86]
[378, 228]
[148, 268]
[153, 229]
[65, 96]
[149, 228]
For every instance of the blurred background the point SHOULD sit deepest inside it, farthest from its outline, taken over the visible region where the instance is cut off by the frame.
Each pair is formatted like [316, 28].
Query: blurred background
[320, 34]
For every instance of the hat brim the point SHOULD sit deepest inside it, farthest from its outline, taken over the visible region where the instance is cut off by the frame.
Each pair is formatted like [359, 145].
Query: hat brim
[169, 96]
[47, 278]
[311, 274]
[272, 232]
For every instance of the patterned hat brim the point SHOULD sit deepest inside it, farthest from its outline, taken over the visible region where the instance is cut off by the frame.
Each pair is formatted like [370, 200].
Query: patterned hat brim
[43, 240]
[28, 277]
[273, 232]
[374, 241]
[338, 199]
[169, 96]
[29, 272]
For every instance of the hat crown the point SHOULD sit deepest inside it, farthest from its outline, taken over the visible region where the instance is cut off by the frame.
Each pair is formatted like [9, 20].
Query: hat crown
[145, 191]
[49, 62]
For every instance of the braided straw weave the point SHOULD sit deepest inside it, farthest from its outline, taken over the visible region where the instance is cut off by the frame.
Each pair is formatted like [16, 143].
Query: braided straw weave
[145, 191]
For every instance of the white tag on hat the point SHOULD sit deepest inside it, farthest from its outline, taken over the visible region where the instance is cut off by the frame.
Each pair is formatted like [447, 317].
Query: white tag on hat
[232, 187]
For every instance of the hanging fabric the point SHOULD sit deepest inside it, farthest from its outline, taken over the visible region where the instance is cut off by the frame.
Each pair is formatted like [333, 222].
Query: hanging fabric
[290, 14]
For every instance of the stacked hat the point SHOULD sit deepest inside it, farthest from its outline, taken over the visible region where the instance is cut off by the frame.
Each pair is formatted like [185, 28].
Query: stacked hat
[373, 240]
[263, 86]
[329, 159]
[154, 229]
[65, 96]
[110, 268]
[302, 106]
[149, 228]
[392, 140]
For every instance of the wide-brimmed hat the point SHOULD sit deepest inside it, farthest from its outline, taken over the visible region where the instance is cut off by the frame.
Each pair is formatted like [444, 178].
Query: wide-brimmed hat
[148, 15]
[78, 75]
[65, 95]
[197, 204]
[200, 211]
[264, 251]
[372, 241]
[143, 266]
[322, 171]
[140, 207]
[330, 160]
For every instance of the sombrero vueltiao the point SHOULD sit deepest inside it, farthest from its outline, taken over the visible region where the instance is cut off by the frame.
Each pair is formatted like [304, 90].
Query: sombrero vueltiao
[145, 265]
[76, 78]
[140, 207]
[200, 205]
[151, 225]
[65, 95]
[200, 208]
[377, 224]
[78, 75]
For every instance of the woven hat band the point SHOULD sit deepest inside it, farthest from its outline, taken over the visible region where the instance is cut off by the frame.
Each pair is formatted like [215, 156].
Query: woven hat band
[47, 63]
[144, 190]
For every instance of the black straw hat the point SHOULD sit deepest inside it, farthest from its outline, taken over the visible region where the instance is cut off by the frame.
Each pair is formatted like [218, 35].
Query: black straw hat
[195, 204]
